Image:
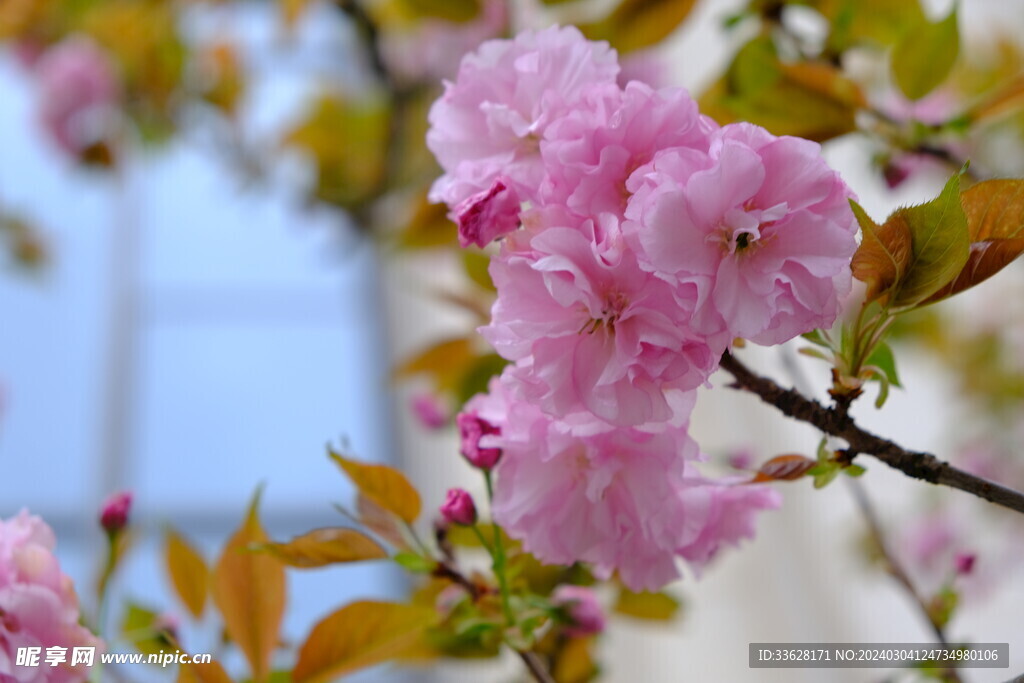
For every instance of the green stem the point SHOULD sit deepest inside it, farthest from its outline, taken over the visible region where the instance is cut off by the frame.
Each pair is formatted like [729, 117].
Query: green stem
[498, 555]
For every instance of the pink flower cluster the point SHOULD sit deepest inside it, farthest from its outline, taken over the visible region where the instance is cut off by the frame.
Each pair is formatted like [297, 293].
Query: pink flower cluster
[38, 605]
[637, 239]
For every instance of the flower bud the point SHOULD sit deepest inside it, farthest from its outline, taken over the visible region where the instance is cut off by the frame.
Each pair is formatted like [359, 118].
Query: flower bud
[114, 514]
[472, 429]
[581, 606]
[964, 563]
[458, 508]
[428, 410]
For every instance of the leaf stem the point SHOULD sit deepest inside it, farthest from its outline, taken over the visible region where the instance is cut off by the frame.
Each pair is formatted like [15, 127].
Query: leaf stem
[498, 555]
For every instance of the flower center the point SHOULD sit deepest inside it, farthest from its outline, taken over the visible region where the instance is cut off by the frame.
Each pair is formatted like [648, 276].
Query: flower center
[611, 310]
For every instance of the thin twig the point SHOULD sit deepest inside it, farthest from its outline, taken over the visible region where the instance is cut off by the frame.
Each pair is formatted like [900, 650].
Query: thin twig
[536, 667]
[867, 510]
[892, 564]
[916, 464]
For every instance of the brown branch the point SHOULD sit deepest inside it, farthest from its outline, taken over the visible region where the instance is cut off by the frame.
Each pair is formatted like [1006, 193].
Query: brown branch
[919, 465]
[536, 667]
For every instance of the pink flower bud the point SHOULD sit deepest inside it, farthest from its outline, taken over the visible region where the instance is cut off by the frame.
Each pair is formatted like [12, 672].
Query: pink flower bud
[428, 410]
[458, 508]
[114, 515]
[582, 608]
[964, 563]
[472, 429]
[488, 215]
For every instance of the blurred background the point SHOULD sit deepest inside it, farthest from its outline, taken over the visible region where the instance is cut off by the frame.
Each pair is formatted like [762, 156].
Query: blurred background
[216, 270]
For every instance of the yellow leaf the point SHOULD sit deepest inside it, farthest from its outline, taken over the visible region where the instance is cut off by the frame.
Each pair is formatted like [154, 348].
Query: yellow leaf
[446, 362]
[359, 635]
[293, 11]
[385, 486]
[322, 547]
[202, 673]
[575, 663]
[637, 24]
[653, 606]
[188, 572]
[348, 140]
[249, 591]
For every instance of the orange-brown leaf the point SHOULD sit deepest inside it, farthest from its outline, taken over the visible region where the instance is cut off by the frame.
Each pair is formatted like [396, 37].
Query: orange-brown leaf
[359, 635]
[322, 547]
[380, 521]
[995, 221]
[385, 486]
[784, 468]
[994, 209]
[884, 253]
[249, 591]
[202, 673]
[188, 572]
[446, 362]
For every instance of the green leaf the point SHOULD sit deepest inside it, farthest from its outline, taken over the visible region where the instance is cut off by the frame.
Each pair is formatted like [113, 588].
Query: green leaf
[479, 375]
[384, 485]
[637, 24]
[854, 470]
[824, 473]
[817, 337]
[918, 251]
[415, 563]
[883, 359]
[925, 56]
[140, 626]
[360, 635]
[476, 264]
[646, 605]
[323, 547]
[876, 22]
[940, 245]
[809, 99]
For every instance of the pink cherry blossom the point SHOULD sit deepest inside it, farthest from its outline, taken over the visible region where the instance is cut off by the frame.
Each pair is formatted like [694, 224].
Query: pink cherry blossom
[760, 223]
[491, 119]
[591, 151]
[588, 328]
[622, 499]
[38, 605]
[77, 88]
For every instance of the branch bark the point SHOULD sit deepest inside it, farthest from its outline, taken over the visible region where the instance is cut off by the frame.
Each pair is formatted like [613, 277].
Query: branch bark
[916, 464]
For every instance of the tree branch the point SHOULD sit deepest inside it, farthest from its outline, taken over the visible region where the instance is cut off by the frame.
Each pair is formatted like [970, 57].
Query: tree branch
[916, 464]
